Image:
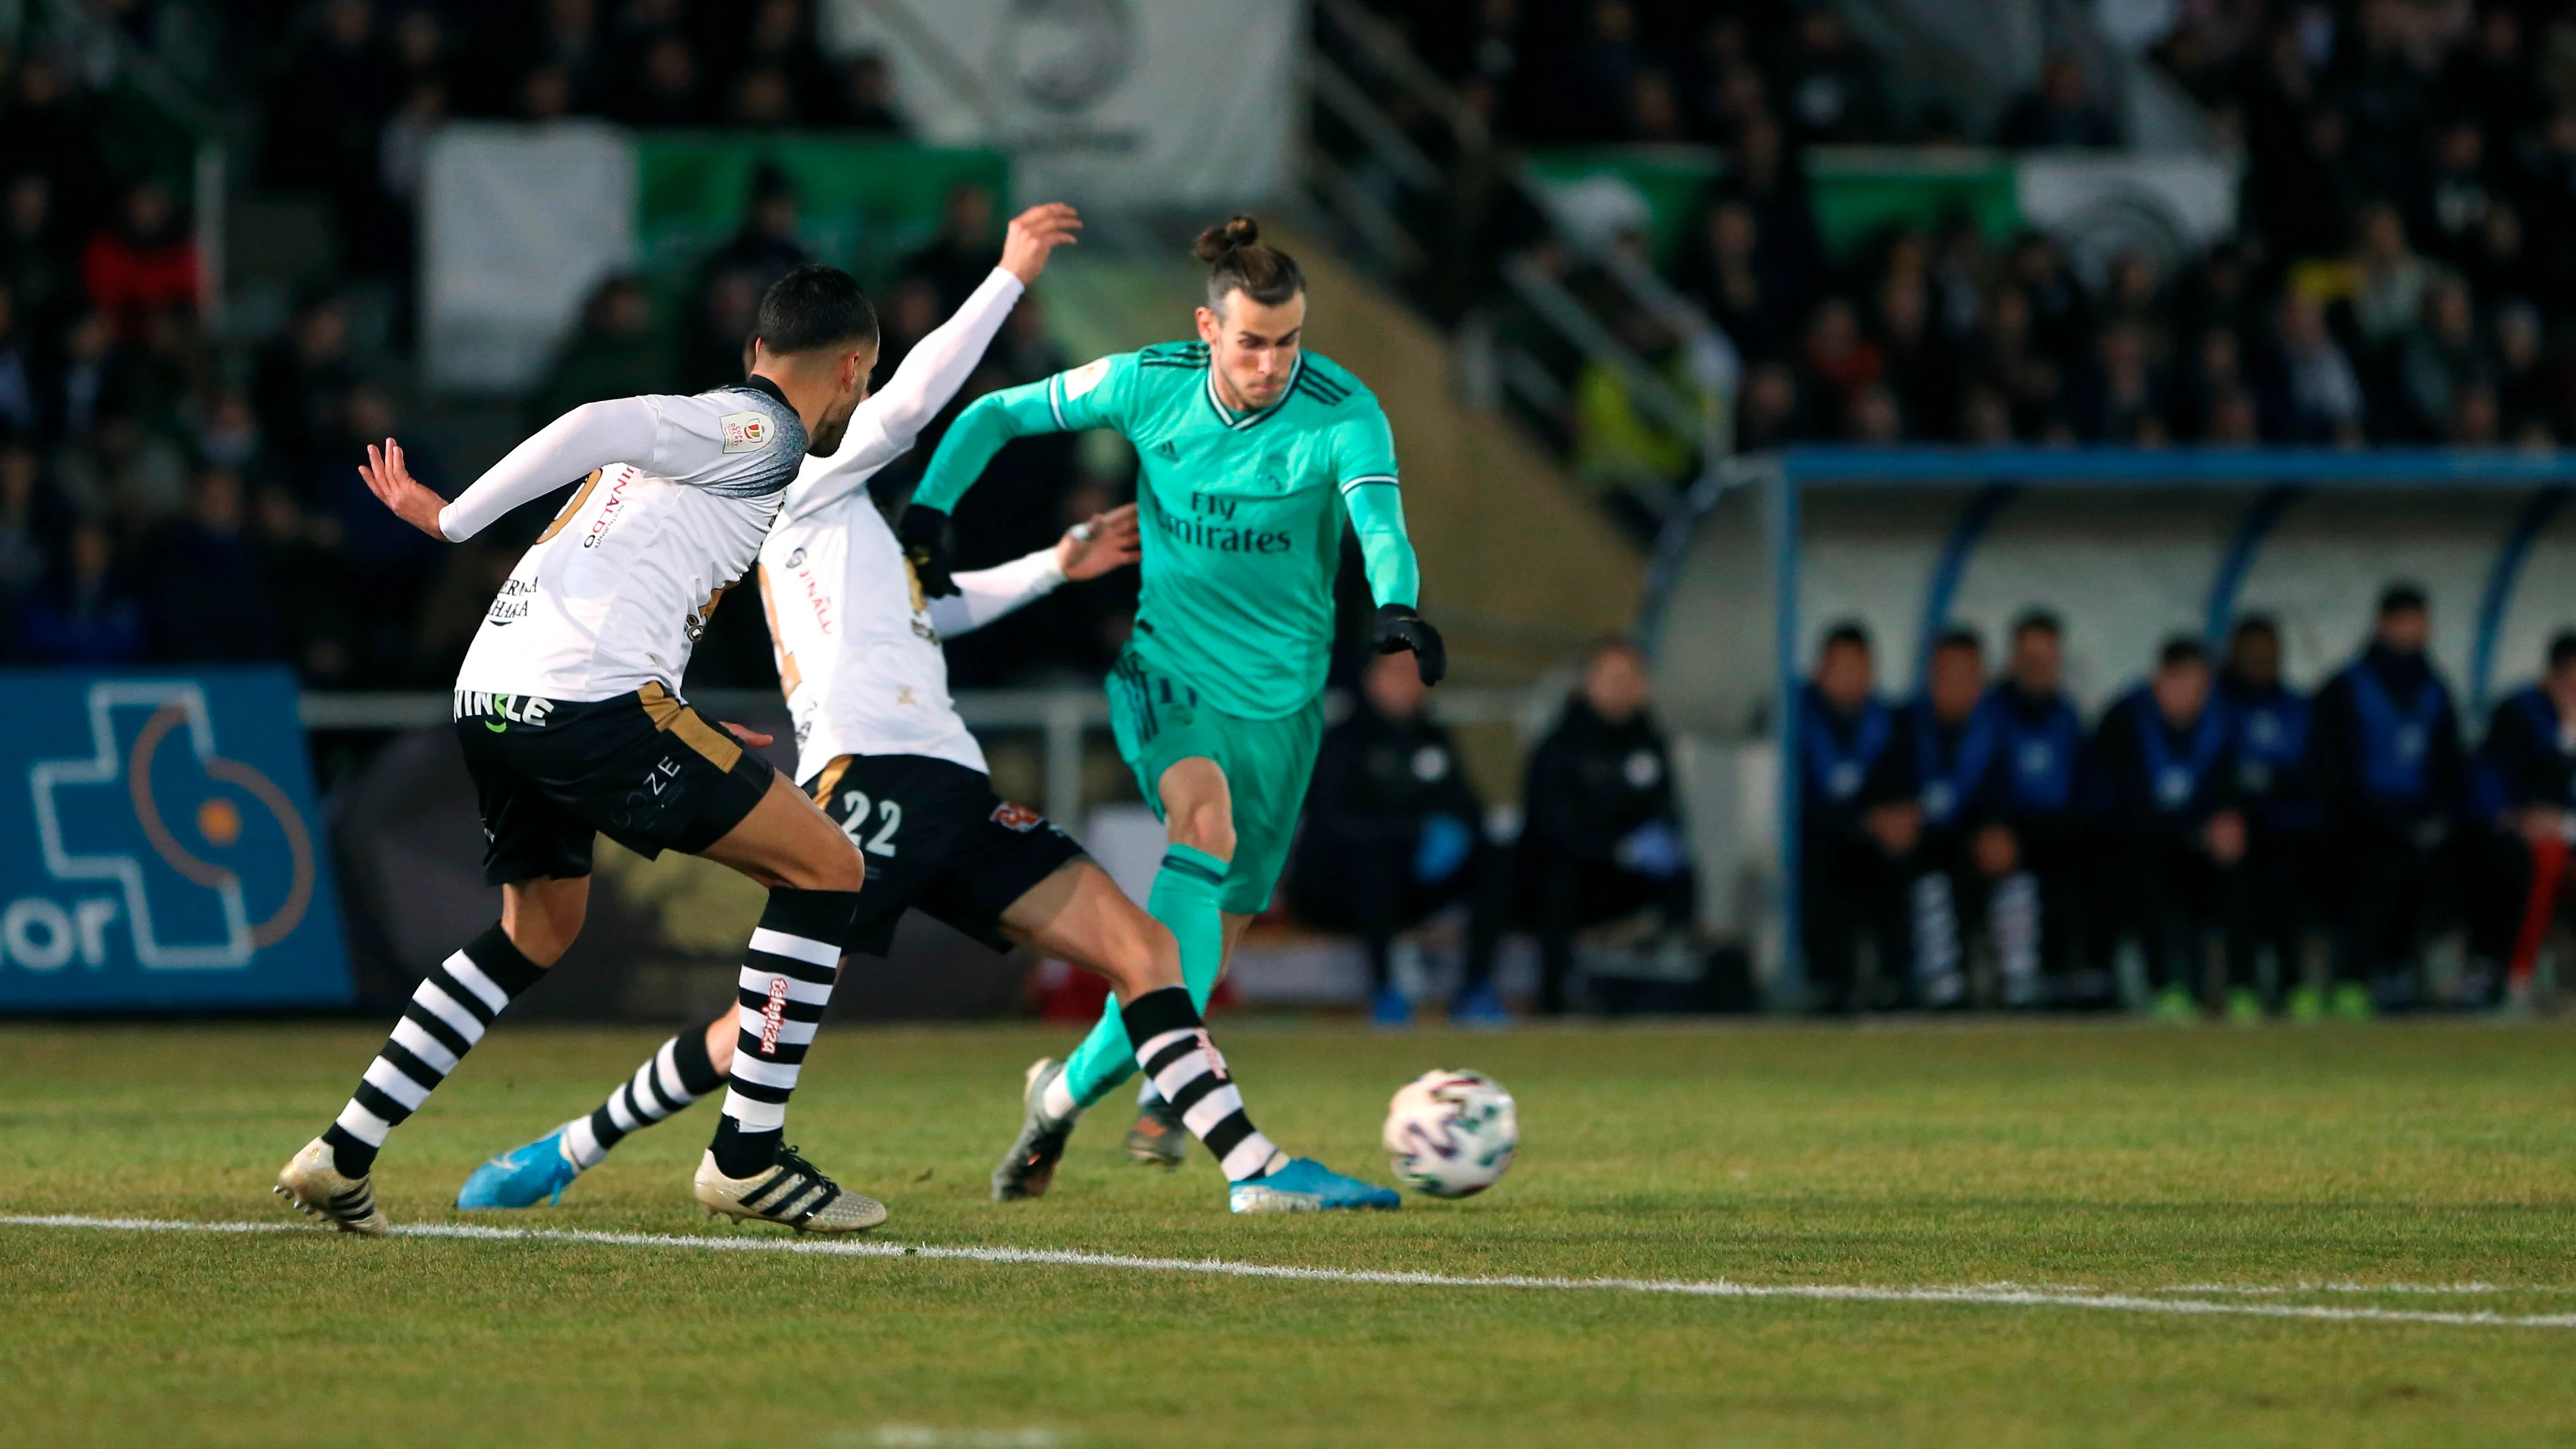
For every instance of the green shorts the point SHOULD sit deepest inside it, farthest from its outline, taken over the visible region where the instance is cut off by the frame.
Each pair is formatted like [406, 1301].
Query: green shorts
[1159, 722]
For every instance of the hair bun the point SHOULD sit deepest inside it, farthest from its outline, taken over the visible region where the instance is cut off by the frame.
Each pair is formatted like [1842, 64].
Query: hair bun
[1215, 242]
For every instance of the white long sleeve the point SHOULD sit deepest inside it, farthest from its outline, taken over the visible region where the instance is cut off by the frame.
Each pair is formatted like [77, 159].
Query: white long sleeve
[988, 594]
[594, 435]
[886, 424]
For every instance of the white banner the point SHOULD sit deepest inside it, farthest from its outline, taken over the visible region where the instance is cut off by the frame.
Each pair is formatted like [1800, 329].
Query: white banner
[1100, 102]
[2101, 204]
[518, 223]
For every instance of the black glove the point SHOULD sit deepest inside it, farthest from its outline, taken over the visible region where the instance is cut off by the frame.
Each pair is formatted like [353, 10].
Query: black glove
[1398, 627]
[924, 536]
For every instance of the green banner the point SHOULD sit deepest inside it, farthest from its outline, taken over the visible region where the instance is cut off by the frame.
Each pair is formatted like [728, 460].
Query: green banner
[860, 204]
[1856, 193]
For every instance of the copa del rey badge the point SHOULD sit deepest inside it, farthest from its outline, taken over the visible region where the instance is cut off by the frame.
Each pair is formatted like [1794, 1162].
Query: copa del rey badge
[745, 432]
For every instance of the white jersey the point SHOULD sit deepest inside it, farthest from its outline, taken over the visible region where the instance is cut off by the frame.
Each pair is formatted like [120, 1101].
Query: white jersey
[858, 647]
[679, 494]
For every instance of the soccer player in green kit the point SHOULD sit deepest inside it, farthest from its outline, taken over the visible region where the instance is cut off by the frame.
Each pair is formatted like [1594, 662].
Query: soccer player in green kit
[1251, 452]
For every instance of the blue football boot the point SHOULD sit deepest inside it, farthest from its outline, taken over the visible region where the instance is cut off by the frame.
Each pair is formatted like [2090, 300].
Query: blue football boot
[522, 1177]
[1307, 1186]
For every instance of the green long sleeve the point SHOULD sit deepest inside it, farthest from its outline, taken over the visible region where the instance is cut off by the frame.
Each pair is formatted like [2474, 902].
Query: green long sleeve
[1377, 516]
[979, 432]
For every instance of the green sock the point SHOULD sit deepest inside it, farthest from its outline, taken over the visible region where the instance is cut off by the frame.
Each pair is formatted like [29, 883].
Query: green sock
[1185, 898]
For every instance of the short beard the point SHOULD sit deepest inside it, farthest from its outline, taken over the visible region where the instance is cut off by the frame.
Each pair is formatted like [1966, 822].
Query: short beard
[825, 440]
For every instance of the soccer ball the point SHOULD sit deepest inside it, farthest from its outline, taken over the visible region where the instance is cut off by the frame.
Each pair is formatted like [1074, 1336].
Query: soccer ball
[1451, 1134]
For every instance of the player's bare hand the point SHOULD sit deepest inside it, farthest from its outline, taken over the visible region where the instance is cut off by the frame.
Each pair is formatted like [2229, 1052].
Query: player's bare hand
[748, 735]
[1099, 544]
[394, 487]
[1034, 233]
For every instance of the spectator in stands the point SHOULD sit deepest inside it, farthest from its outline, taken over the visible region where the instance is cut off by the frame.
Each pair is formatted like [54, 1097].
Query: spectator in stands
[2316, 395]
[2526, 799]
[1828, 85]
[1602, 840]
[2441, 357]
[206, 593]
[866, 97]
[1858, 828]
[615, 353]
[2060, 113]
[2386, 750]
[1394, 835]
[84, 614]
[298, 381]
[2284, 848]
[145, 263]
[19, 414]
[958, 259]
[35, 263]
[50, 128]
[27, 530]
[1947, 742]
[1600, 74]
[2037, 910]
[2165, 784]
[667, 89]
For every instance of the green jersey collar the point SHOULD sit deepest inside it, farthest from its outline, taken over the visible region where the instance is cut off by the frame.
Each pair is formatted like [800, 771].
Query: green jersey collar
[1237, 422]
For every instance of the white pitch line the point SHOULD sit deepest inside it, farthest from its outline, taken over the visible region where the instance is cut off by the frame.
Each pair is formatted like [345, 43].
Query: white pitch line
[1998, 1294]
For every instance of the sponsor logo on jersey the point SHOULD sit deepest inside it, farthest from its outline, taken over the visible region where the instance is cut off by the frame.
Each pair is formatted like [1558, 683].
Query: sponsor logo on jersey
[610, 507]
[513, 602]
[1086, 377]
[748, 431]
[1021, 818]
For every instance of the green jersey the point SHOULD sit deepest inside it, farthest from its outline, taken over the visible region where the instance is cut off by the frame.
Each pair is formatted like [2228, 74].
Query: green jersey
[1241, 512]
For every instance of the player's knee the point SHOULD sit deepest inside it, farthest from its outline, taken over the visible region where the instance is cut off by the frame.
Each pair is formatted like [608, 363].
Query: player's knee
[1207, 827]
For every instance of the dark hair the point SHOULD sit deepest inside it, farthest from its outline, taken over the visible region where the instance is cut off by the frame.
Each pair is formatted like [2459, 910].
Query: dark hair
[2180, 650]
[1238, 262]
[2039, 621]
[2403, 597]
[1959, 636]
[1850, 633]
[2562, 649]
[2254, 624]
[813, 307]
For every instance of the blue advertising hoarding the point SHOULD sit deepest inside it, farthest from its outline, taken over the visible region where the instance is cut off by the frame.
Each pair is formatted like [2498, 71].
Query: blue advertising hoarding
[159, 847]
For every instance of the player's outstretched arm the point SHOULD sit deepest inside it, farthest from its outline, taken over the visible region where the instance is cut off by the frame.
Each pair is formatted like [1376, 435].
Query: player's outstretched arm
[1086, 397]
[1395, 576]
[594, 435]
[892, 418]
[1101, 544]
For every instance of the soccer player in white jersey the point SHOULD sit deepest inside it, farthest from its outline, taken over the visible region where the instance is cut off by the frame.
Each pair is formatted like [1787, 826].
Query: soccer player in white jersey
[883, 751]
[568, 714]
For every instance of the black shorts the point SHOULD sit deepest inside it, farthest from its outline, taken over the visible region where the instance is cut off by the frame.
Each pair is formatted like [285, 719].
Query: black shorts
[938, 841]
[644, 769]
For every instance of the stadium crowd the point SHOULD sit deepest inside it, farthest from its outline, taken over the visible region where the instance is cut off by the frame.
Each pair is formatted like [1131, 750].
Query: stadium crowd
[2261, 850]
[174, 491]
[2403, 266]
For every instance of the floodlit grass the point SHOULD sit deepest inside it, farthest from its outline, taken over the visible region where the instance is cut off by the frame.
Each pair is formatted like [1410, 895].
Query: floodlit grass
[2112, 1159]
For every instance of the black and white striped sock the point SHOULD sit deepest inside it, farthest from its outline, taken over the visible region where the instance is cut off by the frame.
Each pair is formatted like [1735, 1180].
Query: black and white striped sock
[672, 1078]
[786, 982]
[1172, 1046]
[447, 1016]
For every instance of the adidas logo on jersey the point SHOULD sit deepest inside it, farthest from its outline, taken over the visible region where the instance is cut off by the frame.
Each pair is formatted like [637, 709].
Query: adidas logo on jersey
[1165, 450]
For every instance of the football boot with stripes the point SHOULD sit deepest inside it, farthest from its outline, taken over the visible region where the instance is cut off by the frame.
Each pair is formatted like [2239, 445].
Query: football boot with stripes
[789, 1192]
[1304, 1185]
[1158, 1139]
[1028, 1169]
[311, 1184]
[523, 1176]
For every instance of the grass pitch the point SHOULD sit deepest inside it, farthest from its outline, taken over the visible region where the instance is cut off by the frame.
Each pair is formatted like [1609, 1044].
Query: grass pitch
[2102, 1161]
